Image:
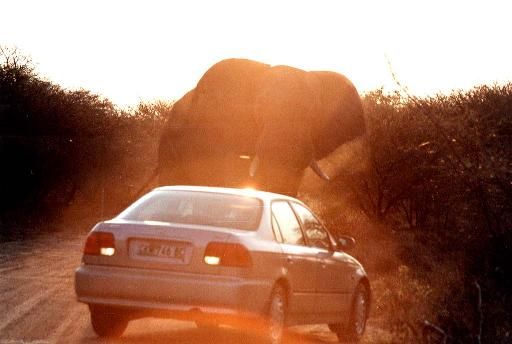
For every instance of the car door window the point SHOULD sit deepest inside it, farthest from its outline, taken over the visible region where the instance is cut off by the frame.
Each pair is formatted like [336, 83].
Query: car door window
[287, 223]
[315, 233]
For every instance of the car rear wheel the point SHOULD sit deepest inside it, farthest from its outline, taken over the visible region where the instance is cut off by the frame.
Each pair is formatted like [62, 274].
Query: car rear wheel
[356, 326]
[108, 322]
[276, 315]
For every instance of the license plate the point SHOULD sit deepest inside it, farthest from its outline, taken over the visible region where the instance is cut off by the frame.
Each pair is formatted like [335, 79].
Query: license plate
[163, 251]
[172, 251]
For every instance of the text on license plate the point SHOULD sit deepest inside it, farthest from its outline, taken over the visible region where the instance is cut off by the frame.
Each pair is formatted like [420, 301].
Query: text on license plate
[161, 250]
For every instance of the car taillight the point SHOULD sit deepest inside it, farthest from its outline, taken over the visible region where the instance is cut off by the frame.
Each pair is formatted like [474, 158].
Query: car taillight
[227, 254]
[100, 243]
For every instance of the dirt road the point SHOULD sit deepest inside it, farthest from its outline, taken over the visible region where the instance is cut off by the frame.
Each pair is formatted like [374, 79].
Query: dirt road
[37, 303]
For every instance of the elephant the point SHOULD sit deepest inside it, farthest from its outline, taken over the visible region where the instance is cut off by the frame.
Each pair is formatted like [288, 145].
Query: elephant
[247, 123]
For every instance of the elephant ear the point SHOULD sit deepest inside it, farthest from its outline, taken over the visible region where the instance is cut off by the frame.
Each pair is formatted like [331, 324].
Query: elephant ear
[179, 116]
[340, 117]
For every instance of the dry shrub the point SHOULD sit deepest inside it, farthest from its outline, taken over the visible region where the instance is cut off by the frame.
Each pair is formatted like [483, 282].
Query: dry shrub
[429, 200]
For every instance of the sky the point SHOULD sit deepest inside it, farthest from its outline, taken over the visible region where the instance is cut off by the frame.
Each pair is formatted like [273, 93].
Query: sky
[132, 51]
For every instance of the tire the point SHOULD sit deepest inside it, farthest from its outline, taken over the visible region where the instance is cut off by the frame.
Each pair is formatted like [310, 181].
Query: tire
[276, 316]
[108, 322]
[354, 330]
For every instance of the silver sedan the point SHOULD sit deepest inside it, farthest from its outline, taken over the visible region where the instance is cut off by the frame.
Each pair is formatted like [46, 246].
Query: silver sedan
[218, 255]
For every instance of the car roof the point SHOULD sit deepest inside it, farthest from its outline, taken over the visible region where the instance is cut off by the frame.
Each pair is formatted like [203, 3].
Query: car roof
[263, 195]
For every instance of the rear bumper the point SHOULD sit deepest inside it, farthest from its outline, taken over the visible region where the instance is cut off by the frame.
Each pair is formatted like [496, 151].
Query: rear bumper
[165, 293]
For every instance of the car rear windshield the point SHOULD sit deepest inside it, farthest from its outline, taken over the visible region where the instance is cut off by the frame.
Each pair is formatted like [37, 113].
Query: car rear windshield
[197, 208]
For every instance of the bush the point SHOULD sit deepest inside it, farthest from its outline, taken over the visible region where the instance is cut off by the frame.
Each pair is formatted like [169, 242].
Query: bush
[439, 169]
[57, 144]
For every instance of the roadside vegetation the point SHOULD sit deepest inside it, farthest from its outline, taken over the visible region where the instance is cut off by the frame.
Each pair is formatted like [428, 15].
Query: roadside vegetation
[428, 196]
[62, 147]
[430, 200]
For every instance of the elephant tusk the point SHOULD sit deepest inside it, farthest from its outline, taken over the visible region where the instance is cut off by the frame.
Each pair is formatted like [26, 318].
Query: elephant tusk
[254, 166]
[314, 166]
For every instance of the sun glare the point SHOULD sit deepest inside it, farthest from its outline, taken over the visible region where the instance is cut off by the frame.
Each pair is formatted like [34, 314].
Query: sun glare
[174, 43]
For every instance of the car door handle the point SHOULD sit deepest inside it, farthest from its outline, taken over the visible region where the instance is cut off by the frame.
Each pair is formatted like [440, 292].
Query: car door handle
[290, 260]
[321, 256]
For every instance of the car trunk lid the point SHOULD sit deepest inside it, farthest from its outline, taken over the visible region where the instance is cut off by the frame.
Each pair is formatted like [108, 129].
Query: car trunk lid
[158, 245]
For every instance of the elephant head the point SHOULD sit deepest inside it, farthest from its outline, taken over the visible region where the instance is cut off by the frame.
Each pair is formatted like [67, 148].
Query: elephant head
[249, 123]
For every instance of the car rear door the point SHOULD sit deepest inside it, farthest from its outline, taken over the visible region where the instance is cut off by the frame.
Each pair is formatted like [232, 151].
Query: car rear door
[300, 260]
[334, 273]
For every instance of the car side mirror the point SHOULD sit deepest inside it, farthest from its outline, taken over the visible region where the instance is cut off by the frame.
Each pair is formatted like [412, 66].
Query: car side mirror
[346, 242]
